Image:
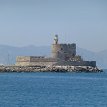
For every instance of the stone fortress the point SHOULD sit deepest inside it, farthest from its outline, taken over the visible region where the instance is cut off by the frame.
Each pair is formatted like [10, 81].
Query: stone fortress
[62, 55]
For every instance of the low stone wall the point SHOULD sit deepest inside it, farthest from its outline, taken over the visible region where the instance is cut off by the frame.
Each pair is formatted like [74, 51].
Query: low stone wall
[77, 63]
[34, 61]
[42, 61]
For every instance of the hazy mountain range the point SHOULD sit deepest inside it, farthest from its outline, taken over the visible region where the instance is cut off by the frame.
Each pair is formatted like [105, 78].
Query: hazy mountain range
[8, 54]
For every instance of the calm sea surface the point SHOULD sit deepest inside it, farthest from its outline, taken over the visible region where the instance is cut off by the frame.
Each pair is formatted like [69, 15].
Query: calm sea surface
[53, 89]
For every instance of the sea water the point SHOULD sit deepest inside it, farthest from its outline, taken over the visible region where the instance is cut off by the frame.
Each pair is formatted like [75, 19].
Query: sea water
[53, 89]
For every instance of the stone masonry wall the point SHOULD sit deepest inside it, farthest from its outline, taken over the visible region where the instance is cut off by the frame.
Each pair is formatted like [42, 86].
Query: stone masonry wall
[63, 51]
[77, 63]
[34, 61]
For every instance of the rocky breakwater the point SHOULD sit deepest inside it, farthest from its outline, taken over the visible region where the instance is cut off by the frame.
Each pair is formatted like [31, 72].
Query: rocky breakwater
[49, 69]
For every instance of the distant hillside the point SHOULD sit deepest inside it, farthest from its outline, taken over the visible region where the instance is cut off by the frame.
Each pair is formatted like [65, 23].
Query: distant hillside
[8, 54]
[89, 55]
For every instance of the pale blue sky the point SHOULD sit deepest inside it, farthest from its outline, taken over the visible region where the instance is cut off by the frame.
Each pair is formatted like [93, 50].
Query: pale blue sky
[35, 22]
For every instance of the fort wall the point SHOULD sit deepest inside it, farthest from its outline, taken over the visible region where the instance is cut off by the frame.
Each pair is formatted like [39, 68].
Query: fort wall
[34, 61]
[77, 63]
[41, 61]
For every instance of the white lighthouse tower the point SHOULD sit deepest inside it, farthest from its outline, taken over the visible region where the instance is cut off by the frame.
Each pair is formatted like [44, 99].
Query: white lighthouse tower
[56, 39]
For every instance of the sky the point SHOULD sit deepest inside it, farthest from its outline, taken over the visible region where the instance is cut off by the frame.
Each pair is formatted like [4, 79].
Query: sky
[35, 22]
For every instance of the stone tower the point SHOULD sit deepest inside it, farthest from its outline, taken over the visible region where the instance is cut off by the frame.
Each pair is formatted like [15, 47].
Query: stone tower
[63, 51]
[55, 48]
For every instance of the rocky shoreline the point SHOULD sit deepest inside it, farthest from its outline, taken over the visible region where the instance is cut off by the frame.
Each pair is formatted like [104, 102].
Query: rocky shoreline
[49, 69]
